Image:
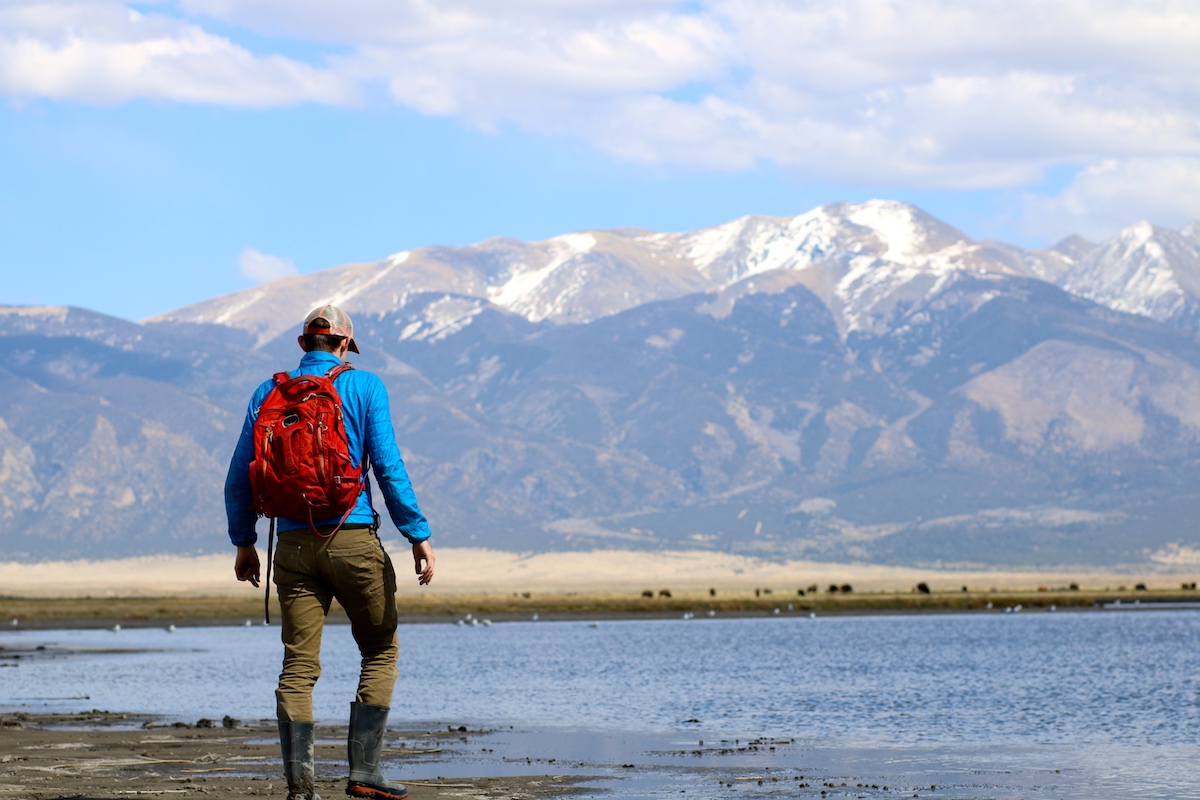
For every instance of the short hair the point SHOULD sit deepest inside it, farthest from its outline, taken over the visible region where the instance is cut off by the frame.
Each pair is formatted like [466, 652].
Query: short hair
[322, 341]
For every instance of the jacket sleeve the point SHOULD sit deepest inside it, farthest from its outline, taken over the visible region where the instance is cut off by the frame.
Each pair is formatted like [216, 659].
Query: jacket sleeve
[389, 469]
[240, 515]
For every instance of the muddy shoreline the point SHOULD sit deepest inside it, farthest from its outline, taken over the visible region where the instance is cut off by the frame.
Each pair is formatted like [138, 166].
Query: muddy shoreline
[26, 613]
[103, 754]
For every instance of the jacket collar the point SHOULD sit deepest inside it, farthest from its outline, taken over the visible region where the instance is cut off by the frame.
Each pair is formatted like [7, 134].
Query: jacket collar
[319, 361]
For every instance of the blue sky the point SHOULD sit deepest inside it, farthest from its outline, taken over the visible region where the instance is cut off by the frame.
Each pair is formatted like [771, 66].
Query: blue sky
[157, 154]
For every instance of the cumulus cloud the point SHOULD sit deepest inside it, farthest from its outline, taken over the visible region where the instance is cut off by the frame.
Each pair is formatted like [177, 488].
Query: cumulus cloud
[262, 267]
[104, 53]
[933, 93]
[1106, 197]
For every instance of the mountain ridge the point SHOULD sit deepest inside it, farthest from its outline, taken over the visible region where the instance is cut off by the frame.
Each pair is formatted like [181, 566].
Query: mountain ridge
[862, 259]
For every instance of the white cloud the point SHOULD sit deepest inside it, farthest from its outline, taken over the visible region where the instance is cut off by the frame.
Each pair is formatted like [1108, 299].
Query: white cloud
[261, 267]
[102, 52]
[1109, 196]
[935, 93]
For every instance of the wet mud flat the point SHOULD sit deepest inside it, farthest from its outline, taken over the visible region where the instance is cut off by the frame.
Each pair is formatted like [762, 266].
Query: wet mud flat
[103, 754]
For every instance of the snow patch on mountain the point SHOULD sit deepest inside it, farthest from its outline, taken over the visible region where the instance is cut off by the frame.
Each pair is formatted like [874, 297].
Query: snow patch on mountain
[895, 225]
[441, 318]
[520, 292]
[357, 285]
[228, 315]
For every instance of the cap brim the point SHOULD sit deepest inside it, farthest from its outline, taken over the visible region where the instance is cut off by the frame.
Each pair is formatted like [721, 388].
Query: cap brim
[352, 347]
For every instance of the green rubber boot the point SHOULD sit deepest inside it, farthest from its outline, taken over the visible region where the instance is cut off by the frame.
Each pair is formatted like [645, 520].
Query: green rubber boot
[296, 742]
[364, 747]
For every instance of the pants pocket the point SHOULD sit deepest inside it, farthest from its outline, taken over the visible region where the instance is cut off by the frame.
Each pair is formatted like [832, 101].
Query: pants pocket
[292, 564]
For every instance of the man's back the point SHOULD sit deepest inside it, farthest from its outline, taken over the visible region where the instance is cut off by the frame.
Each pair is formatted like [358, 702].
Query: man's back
[368, 431]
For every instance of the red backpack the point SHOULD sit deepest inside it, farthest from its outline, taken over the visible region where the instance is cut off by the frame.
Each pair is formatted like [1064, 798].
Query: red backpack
[302, 468]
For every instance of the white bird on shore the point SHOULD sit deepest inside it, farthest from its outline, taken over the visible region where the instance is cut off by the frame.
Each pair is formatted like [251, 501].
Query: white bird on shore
[116, 628]
[170, 629]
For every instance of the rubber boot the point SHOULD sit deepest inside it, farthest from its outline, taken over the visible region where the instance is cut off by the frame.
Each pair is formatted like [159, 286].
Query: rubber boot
[296, 742]
[364, 747]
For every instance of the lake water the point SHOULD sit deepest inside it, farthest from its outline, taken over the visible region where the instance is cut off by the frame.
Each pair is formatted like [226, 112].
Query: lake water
[1102, 704]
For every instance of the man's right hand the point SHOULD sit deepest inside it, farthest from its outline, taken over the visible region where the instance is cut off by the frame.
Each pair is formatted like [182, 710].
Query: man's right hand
[246, 567]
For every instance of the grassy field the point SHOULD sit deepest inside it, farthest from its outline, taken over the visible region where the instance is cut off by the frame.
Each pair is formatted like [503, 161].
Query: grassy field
[180, 610]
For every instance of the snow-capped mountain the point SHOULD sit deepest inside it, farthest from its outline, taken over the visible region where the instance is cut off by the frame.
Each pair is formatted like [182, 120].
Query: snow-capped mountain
[864, 260]
[1146, 270]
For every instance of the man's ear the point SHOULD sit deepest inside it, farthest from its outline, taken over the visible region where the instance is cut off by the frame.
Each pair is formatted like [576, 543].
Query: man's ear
[300, 341]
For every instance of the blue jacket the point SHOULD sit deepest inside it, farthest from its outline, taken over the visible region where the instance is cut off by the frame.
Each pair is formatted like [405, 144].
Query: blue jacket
[365, 410]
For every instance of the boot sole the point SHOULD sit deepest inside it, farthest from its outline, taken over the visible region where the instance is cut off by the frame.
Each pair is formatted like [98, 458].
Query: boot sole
[362, 790]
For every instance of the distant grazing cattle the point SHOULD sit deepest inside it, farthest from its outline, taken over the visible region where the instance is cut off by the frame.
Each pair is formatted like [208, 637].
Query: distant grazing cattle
[648, 593]
[833, 587]
[923, 587]
[847, 588]
[712, 592]
[813, 588]
[664, 592]
[800, 592]
[1141, 587]
[1074, 587]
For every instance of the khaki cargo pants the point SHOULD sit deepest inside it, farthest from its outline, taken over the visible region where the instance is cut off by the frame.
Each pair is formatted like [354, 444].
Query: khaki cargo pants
[310, 572]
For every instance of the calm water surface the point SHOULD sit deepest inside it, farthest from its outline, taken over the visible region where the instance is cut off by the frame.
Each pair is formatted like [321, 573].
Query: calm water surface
[1111, 699]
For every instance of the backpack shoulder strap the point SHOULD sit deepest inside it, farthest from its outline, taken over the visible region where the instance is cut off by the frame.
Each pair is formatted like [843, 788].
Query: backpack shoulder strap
[339, 369]
[281, 378]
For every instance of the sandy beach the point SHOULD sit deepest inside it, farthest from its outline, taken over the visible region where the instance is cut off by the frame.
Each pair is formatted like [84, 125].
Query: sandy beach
[504, 586]
[462, 571]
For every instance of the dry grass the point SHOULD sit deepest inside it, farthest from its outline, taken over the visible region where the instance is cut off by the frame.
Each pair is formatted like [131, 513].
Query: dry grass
[107, 611]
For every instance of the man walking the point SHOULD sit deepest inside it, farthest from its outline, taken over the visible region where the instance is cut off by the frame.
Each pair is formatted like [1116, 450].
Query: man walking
[338, 557]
